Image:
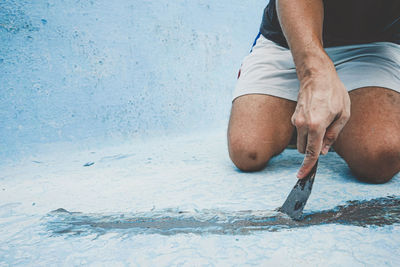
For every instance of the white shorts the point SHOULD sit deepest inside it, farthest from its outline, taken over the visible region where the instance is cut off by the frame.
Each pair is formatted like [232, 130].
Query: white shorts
[269, 68]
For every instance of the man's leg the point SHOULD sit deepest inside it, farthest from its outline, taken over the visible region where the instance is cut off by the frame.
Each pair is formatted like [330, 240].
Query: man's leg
[370, 141]
[259, 128]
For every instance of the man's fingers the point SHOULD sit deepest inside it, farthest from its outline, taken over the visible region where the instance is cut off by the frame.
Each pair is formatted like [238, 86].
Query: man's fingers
[300, 125]
[301, 140]
[332, 133]
[313, 149]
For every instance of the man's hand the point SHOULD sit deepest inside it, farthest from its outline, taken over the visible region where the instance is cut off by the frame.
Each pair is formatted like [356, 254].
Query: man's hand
[323, 104]
[323, 108]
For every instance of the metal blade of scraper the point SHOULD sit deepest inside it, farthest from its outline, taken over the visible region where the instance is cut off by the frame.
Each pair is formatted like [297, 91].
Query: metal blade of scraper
[298, 197]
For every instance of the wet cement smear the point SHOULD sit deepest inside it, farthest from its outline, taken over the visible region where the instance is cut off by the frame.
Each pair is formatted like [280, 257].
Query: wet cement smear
[375, 212]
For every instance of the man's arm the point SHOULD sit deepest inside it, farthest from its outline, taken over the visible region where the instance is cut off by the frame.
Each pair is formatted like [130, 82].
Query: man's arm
[323, 103]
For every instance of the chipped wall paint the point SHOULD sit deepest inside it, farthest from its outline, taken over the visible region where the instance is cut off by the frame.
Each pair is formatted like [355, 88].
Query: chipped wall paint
[74, 70]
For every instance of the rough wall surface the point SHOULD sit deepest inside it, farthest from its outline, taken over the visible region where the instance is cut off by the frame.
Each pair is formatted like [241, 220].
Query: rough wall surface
[74, 70]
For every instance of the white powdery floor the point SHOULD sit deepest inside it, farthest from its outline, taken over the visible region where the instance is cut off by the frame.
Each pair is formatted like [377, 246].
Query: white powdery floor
[183, 174]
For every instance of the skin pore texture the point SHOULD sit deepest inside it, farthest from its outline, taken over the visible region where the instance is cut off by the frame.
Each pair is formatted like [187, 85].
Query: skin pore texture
[361, 125]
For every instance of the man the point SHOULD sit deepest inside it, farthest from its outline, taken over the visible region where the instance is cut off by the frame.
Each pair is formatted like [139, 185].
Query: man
[340, 60]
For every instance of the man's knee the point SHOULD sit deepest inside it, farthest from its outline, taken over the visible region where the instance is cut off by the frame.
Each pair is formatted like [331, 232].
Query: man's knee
[248, 155]
[379, 166]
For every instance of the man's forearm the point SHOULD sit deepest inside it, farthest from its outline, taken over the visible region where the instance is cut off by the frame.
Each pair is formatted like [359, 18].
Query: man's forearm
[302, 22]
[323, 103]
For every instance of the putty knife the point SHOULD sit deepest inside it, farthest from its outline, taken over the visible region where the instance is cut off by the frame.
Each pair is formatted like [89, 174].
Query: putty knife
[298, 197]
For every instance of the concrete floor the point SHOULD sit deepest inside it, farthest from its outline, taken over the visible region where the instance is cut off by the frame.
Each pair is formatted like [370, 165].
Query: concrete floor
[191, 174]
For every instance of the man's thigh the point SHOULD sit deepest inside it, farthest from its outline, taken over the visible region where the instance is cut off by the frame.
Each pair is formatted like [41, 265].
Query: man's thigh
[372, 133]
[259, 128]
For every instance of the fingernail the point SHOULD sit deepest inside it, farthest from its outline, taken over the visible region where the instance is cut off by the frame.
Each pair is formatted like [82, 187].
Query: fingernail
[299, 174]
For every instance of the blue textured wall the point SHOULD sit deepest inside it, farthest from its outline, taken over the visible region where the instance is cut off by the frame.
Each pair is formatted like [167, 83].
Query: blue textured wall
[73, 70]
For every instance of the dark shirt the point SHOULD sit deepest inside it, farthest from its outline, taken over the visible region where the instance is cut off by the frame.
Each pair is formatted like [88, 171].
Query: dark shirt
[345, 22]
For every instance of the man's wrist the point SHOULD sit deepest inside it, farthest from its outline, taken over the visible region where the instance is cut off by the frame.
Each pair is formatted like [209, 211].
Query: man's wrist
[313, 64]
